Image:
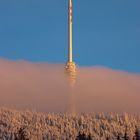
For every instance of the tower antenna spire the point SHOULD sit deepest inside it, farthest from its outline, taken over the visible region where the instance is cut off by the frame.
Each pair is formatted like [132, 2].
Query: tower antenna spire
[70, 31]
[70, 65]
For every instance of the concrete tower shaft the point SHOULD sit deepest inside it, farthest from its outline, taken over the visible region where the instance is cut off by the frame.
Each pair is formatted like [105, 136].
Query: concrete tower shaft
[70, 65]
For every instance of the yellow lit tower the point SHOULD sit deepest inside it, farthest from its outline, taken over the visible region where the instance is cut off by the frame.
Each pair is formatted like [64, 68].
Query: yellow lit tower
[70, 65]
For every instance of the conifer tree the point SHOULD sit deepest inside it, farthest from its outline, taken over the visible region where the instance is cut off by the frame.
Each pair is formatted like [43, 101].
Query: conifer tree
[83, 137]
[21, 135]
[118, 137]
[137, 134]
[126, 137]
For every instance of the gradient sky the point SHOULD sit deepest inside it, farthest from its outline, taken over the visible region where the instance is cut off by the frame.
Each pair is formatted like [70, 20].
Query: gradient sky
[105, 32]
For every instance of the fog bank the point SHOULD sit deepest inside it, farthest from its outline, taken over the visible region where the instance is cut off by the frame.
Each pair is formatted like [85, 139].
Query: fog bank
[45, 87]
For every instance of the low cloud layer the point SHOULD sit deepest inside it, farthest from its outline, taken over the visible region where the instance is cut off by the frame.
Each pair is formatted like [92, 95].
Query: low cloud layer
[45, 87]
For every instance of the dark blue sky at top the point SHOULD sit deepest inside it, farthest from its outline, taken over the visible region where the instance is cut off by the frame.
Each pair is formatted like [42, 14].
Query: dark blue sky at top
[105, 32]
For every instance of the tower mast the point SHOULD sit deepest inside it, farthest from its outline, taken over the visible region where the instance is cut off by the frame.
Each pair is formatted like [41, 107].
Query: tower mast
[70, 65]
[70, 31]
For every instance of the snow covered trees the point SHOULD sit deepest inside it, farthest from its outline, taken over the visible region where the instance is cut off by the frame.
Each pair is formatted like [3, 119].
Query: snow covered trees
[29, 125]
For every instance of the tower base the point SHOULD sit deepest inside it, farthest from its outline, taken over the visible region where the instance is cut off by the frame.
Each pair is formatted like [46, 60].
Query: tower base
[71, 71]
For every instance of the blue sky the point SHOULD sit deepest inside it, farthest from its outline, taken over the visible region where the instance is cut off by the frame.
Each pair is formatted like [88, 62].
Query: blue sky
[105, 32]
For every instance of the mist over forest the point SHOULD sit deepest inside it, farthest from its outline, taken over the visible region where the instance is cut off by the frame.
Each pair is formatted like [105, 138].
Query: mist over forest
[45, 87]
